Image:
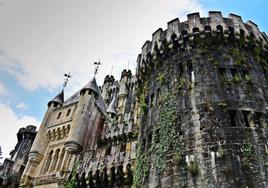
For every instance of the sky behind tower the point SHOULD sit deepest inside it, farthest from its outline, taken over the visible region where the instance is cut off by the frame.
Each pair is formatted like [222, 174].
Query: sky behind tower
[41, 40]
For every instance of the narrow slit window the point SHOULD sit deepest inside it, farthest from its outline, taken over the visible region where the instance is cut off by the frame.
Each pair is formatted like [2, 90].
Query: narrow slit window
[152, 101]
[68, 112]
[245, 116]
[257, 118]
[59, 114]
[180, 70]
[232, 114]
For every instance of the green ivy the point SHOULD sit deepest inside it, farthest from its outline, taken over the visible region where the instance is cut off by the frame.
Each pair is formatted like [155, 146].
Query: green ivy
[141, 166]
[161, 78]
[181, 84]
[247, 151]
[193, 168]
[248, 78]
[72, 183]
[166, 137]
[222, 104]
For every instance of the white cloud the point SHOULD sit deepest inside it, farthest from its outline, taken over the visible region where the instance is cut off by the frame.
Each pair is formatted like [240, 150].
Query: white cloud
[21, 106]
[10, 125]
[3, 90]
[44, 39]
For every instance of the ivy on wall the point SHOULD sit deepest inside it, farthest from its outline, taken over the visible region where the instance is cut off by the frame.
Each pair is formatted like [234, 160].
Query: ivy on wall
[141, 166]
[166, 138]
[72, 182]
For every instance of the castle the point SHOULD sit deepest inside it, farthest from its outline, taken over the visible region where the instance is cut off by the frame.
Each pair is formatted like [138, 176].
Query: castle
[193, 115]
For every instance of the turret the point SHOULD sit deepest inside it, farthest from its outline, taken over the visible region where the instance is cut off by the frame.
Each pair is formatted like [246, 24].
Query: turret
[123, 90]
[106, 95]
[39, 146]
[57, 101]
[88, 95]
[125, 77]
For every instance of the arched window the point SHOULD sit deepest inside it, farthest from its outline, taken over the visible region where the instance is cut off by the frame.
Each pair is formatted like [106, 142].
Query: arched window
[242, 33]
[58, 134]
[59, 114]
[48, 161]
[184, 33]
[68, 112]
[219, 29]
[61, 159]
[207, 29]
[55, 160]
[49, 135]
[196, 31]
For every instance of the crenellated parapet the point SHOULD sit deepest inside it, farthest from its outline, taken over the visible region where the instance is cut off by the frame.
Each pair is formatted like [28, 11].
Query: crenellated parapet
[182, 33]
[126, 72]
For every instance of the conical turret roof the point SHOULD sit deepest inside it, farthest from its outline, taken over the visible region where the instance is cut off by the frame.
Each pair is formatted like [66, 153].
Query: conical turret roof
[92, 84]
[112, 106]
[59, 98]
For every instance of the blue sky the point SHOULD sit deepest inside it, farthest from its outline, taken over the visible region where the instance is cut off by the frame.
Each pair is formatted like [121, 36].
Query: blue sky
[41, 40]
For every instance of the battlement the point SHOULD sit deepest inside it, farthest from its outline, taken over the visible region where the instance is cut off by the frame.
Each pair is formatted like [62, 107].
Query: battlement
[126, 72]
[30, 129]
[196, 25]
[109, 78]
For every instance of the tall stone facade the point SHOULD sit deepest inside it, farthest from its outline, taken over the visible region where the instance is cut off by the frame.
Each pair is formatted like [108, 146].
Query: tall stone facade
[193, 115]
[13, 167]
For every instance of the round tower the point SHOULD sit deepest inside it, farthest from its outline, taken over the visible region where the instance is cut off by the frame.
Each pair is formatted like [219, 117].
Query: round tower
[203, 100]
[39, 146]
[88, 96]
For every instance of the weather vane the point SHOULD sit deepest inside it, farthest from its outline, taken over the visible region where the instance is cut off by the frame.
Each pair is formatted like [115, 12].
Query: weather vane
[66, 79]
[97, 66]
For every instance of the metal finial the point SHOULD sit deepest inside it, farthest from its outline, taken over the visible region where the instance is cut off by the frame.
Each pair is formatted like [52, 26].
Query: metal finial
[97, 66]
[66, 79]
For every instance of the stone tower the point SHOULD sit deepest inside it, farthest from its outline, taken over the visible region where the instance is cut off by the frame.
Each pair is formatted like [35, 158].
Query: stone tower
[13, 167]
[202, 90]
[68, 126]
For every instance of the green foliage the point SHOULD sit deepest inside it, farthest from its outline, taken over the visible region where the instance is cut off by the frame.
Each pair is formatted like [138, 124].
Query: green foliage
[222, 104]
[181, 84]
[141, 167]
[247, 151]
[236, 78]
[72, 183]
[248, 78]
[193, 168]
[143, 107]
[161, 78]
[166, 137]
[238, 56]
[226, 58]
[225, 80]
[212, 60]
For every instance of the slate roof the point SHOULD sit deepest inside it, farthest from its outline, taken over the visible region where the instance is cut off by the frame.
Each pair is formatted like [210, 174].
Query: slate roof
[92, 84]
[59, 98]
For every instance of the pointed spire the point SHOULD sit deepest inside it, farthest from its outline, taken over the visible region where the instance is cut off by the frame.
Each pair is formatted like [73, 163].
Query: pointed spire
[59, 98]
[92, 85]
[112, 107]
